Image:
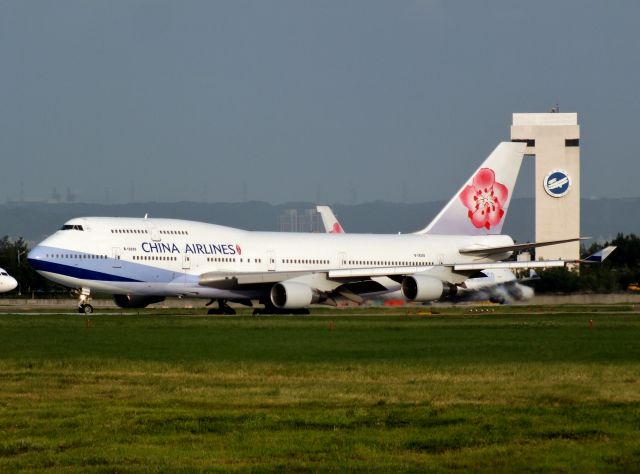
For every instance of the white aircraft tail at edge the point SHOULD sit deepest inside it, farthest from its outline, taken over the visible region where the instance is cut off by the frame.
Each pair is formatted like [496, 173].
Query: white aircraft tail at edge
[143, 260]
[329, 220]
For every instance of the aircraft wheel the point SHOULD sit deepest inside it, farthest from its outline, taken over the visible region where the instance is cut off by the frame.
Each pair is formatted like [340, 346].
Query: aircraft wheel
[85, 309]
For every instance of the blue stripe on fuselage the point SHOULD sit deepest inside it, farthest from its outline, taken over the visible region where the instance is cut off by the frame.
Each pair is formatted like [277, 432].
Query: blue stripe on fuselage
[85, 266]
[76, 272]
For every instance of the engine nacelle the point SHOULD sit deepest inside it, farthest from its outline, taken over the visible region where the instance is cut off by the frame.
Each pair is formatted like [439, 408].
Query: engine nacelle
[136, 301]
[426, 288]
[293, 295]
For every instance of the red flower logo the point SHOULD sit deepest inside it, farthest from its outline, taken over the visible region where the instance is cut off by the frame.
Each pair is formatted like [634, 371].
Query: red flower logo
[336, 229]
[484, 198]
[238, 250]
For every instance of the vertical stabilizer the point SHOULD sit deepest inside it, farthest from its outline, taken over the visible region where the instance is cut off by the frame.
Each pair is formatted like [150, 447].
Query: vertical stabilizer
[480, 206]
[331, 224]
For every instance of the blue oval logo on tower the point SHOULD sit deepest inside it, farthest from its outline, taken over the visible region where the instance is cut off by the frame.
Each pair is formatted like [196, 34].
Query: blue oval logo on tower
[557, 183]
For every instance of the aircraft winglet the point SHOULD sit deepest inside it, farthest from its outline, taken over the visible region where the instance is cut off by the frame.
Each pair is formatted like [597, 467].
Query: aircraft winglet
[599, 256]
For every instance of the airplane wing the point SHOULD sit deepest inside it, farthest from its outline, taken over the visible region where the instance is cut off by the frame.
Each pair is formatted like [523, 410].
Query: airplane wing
[437, 280]
[224, 280]
[487, 251]
[233, 280]
[509, 265]
[454, 273]
[597, 257]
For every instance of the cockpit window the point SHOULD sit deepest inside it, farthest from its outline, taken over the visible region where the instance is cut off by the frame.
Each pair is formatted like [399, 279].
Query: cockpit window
[71, 227]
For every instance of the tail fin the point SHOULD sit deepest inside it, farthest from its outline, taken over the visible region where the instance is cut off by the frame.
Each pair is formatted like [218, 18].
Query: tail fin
[480, 206]
[331, 224]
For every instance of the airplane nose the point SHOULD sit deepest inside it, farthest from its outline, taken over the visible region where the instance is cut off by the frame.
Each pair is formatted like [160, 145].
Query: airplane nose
[12, 283]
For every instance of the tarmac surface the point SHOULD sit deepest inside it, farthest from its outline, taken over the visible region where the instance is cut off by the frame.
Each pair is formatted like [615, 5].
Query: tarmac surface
[67, 305]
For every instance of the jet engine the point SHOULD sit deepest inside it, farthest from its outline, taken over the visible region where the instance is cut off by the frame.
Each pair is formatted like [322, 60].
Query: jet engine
[292, 295]
[426, 288]
[136, 301]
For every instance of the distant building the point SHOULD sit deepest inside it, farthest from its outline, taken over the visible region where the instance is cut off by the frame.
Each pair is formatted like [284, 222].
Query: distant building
[294, 220]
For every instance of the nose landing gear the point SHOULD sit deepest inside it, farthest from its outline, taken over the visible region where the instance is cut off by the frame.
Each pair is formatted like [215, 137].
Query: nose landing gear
[83, 306]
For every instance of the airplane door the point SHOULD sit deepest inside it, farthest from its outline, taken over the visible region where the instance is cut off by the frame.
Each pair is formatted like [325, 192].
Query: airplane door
[271, 261]
[186, 262]
[116, 257]
[342, 259]
[153, 231]
[440, 259]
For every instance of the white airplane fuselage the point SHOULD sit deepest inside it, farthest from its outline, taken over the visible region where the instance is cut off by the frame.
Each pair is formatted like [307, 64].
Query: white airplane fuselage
[167, 257]
[141, 261]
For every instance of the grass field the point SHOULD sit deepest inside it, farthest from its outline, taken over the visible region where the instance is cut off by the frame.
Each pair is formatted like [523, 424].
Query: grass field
[518, 390]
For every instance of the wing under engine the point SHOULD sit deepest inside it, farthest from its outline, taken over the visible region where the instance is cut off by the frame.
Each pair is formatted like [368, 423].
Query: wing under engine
[493, 281]
[295, 290]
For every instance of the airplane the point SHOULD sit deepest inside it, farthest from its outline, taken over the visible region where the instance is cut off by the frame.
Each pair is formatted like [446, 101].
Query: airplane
[7, 282]
[141, 261]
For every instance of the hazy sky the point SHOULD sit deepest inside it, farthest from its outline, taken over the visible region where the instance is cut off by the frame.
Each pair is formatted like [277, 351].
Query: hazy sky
[300, 100]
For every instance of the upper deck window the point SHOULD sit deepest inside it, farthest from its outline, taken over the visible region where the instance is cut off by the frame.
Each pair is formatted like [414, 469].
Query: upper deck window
[71, 227]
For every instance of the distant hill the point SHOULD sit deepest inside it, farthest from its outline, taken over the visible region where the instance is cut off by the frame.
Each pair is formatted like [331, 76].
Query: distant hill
[601, 218]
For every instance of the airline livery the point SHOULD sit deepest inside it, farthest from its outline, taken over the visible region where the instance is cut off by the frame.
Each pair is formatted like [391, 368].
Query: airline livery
[143, 260]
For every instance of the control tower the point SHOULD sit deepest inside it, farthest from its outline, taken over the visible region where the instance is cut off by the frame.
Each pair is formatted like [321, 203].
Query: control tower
[554, 139]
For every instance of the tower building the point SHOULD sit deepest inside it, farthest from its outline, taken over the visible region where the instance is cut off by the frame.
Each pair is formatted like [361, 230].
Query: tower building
[554, 139]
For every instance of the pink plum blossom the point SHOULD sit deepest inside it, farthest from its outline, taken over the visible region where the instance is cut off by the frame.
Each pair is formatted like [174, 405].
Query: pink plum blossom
[485, 199]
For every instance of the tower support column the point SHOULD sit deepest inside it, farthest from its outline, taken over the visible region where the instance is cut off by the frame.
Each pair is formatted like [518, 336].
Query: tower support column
[554, 139]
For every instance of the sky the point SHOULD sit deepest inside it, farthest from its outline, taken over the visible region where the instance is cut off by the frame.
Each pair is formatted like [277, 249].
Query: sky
[328, 101]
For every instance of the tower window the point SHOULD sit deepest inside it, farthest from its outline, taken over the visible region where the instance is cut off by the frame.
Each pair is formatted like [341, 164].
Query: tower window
[529, 142]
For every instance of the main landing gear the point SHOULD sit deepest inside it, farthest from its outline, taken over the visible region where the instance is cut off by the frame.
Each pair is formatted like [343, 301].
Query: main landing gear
[223, 307]
[83, 306]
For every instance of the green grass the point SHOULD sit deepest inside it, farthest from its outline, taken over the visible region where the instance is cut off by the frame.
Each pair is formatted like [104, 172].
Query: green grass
[517, 390]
